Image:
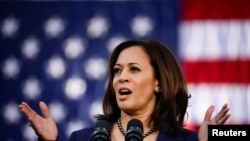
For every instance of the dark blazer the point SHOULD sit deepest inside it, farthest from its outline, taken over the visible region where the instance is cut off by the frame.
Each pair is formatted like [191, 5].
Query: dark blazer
[85, 135]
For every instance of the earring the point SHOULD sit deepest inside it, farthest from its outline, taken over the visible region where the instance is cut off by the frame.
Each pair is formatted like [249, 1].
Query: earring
[157, 91]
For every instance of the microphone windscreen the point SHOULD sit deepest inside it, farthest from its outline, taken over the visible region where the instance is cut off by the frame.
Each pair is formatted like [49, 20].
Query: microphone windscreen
[134, 130]
[136, 123]
[102, 131]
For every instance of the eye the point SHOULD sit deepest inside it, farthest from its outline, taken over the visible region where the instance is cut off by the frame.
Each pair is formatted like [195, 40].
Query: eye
[134, 69]
[117, 70]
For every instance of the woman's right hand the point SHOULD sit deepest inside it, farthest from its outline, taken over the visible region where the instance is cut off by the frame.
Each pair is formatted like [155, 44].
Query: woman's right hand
[44, 126]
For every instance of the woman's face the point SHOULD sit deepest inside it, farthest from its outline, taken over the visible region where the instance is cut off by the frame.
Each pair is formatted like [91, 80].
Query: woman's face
[134, 81]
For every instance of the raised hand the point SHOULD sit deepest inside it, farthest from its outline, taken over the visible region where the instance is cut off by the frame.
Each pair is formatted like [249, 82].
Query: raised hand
[219, 119]
[44, 126]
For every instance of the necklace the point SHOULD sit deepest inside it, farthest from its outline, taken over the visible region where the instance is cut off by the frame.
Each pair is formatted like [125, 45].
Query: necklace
[124, 133]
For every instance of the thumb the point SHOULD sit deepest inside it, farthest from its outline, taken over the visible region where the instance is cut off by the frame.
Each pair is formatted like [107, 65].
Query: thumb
[209, 113]
[44, 109]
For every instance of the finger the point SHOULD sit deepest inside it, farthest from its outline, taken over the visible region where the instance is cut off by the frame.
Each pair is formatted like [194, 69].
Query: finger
[28, 112]
[31, 112]
[224, 119]
[224, 114]
[209, 113]
[44, 109]
[24, 110]
[224, 110]
[28, 107]
[24, 107]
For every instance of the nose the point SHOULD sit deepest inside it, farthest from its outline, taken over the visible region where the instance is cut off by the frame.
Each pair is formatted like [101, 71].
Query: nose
[124, 76]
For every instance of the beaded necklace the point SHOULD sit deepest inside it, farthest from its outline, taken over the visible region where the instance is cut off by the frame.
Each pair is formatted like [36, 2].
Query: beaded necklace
[124, 133]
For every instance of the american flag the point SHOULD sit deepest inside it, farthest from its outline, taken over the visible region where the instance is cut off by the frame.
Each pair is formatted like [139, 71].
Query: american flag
[57, 51]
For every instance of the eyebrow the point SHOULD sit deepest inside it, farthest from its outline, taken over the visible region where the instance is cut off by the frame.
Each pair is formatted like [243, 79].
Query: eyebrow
[130, 64]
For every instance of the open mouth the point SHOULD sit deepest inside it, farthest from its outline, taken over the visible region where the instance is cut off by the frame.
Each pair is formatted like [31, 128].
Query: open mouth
[125, 91]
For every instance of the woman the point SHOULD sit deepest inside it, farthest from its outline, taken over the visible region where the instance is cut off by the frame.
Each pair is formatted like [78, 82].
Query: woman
[145, 83]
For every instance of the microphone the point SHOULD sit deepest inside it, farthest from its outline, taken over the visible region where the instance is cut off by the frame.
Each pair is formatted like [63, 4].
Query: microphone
[134, 130]
[101, 132]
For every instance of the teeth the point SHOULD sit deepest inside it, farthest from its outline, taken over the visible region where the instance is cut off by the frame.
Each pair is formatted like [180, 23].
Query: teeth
[125, 91]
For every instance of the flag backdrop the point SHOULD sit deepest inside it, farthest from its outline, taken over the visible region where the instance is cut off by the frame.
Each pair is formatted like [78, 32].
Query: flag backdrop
[57, 51]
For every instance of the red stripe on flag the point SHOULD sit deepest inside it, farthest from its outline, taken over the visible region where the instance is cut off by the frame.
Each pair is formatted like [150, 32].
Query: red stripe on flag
[214, 9]
[193, 127]
[219, 71]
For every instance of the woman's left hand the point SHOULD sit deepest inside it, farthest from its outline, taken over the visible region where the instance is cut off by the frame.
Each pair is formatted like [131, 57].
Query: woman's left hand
[220, 118]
